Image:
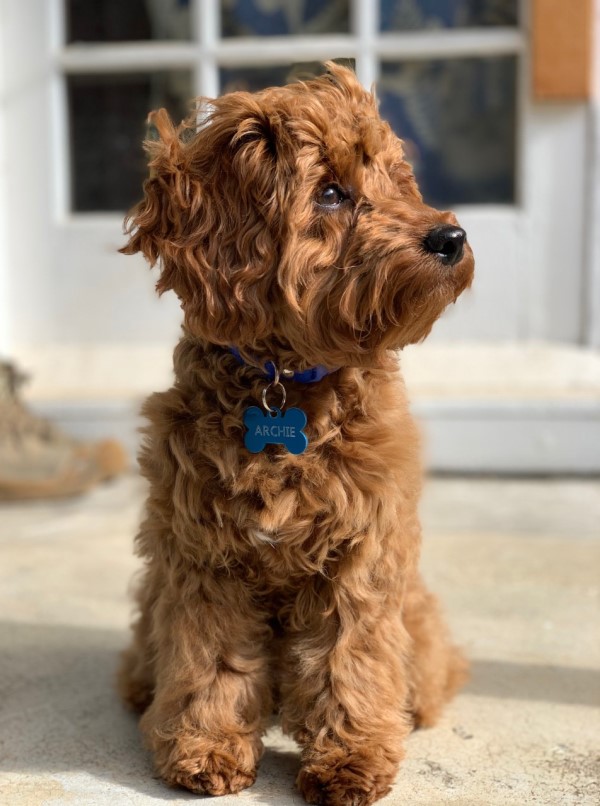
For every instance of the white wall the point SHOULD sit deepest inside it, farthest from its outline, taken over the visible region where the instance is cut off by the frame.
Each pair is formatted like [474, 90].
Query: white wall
[4, 291]
[62, 282]
[593, 298]
[26, 188]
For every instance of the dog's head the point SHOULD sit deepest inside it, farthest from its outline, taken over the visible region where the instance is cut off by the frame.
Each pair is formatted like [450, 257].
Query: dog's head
[290, 222]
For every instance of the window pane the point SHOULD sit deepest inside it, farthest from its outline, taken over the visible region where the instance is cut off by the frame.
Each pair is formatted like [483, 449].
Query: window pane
[252, 79]
[284, 17]
[127, 20]
[107, 116]
[411, 15]
[457, 119]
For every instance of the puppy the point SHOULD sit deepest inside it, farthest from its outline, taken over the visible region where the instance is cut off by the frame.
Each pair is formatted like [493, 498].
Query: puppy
[281, 536]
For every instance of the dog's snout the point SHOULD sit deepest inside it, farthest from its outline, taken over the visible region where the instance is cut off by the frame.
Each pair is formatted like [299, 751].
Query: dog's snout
[447, 243]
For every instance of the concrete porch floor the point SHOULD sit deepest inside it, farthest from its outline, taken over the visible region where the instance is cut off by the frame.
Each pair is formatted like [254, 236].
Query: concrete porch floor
[516, 563]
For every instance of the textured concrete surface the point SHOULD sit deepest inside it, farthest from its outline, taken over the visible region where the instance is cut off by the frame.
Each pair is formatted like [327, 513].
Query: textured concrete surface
[516, 563]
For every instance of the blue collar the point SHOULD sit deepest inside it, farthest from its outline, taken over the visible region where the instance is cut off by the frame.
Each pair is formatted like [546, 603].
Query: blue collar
[311, 375]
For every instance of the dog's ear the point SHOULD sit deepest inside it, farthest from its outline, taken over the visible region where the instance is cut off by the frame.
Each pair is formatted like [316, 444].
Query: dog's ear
[211, 211]
[151, 221]
[230, 246]
[247, 144]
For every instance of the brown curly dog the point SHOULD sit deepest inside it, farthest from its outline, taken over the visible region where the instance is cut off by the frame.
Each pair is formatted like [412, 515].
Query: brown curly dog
[291, 228]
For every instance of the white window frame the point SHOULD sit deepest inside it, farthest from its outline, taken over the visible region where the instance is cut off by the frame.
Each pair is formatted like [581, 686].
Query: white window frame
[206, 52]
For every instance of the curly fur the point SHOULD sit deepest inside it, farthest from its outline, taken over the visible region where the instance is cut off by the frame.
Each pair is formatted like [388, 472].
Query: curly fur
[274, 581]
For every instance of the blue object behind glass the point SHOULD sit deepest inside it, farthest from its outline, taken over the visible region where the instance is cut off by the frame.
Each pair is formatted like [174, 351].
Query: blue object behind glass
[410, 15]
[457, 118]
[284, 17]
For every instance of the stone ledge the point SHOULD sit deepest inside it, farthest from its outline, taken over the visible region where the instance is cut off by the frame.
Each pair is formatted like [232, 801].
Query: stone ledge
[531, 408]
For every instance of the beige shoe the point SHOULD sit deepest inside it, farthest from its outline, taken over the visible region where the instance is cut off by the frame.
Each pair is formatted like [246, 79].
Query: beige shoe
[37, 460]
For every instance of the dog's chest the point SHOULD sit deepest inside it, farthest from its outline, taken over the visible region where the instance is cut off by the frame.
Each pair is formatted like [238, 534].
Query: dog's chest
[294, 514]
[301, 514]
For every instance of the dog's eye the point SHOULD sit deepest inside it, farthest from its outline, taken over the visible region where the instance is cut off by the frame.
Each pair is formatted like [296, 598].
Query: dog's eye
[330, 196]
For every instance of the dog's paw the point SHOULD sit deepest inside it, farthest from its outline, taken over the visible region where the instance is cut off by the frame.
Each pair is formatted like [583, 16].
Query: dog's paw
[209, 769]
[220, 776]
[355, 779]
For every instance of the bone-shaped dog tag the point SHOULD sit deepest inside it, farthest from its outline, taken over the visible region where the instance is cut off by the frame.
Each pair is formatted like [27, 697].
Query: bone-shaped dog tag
[275, 428]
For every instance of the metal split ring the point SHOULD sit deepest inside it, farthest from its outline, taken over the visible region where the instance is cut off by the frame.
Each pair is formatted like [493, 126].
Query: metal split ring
[275, 383]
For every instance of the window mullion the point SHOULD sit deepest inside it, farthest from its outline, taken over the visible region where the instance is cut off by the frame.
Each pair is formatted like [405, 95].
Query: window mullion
[365, 15]
[255, 51]
[460, 43]
[127, 57]
[208, 37]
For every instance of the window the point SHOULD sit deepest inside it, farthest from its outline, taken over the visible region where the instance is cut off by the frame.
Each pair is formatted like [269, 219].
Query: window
[446, 75]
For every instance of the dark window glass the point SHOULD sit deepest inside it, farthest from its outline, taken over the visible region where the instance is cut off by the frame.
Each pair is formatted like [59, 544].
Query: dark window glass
[107, 116]
[127, 20]
[284, 17]
[412, 15]
[457, 119]
[252, 79]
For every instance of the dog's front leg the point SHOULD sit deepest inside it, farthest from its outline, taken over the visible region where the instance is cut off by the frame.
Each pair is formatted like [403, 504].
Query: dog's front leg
[344, 696]
[211, 690]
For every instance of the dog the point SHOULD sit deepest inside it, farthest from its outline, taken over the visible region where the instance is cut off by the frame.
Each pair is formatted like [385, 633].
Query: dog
[281, 536]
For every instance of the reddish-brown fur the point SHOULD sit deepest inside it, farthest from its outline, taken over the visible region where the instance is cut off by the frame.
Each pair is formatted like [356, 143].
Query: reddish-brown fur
[275, 581]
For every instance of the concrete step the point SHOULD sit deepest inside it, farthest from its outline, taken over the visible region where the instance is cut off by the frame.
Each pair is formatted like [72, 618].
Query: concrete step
[509, 408]
[514, 408]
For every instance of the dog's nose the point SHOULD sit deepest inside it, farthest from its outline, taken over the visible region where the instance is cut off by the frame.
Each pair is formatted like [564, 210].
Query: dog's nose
[447, 243]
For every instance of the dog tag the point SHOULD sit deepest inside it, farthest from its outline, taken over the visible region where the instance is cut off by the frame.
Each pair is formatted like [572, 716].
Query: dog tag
[275, 428]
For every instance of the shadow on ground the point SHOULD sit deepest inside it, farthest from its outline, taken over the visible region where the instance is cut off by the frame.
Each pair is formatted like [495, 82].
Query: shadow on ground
[59, 711]
[535, 682]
